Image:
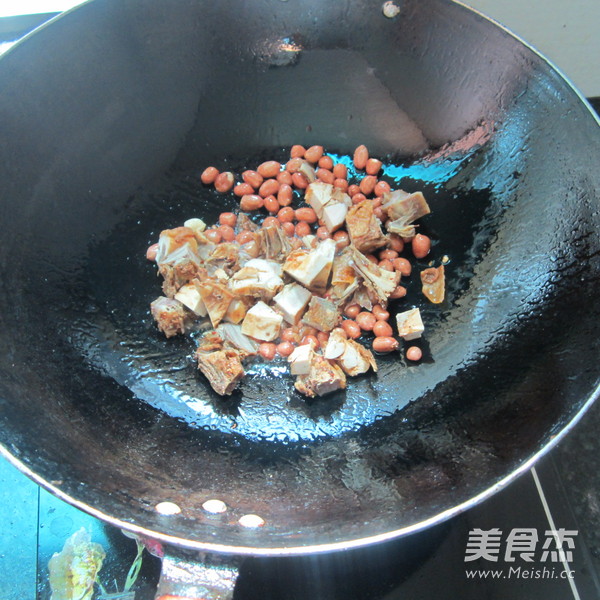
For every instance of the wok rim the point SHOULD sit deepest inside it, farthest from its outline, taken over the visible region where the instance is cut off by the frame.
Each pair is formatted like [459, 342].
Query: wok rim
[282, 551]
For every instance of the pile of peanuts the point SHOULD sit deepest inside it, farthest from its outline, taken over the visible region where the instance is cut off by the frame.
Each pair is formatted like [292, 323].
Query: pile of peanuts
[272, 187]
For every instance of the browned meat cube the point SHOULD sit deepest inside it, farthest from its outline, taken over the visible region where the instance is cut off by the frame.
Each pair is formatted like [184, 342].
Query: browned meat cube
[378, 281]
[322, 378]
[222, 368]
[274, 243]
[217, 298]
[364, 227]
[169, 315]
[321, 314]
[402, 204]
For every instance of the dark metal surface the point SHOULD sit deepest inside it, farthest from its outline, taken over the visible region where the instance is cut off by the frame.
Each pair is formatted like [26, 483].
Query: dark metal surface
[108, 116]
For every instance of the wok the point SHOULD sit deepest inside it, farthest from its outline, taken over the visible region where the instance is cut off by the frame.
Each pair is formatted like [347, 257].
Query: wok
[108, 115]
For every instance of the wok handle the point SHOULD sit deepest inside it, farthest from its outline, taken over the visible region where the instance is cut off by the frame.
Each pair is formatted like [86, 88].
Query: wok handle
[197, 577]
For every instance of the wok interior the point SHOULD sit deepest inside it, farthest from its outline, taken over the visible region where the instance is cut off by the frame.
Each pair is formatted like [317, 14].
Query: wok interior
[112, 111]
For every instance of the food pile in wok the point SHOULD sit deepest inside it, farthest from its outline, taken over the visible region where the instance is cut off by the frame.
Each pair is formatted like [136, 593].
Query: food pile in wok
[304, 271]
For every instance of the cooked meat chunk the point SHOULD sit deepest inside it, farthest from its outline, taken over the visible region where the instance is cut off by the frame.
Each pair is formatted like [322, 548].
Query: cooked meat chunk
[232, 335]
[321, 314]
[362, 297]
[169, 315]
[410, 325]
[403, 209]
[352, 357]
[236, 310]
[217, 298]
[364, 227]
[262, 322]
[245, 224]
[378, 281]
[312, 267]
[274, 243]
[300, 359]
[225, 256]
[173, 239]
[329, 203]
[180, 267]
[344, 281]
[343, 270]
[222, 368]
[189, 296]
[322, 378]
[399, 204]
[258, 278]
[210, 341]
[292, 301]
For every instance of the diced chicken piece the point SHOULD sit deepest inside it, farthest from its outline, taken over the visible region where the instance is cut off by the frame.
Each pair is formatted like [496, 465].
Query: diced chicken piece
[402, 227]
[356, 359]
[292, 301]
[378, 281]
[232, 335]
[244, 223]
[312, 268]
[336, 346]
[340, 293]
[262, 322]
[399, 204]
[224, 256]
[343, 269]
[217, 298]
[364, 227]
[210, 341]
[258, 278]
[179, 267]
[310, 241]
[300, 359]
[220, 275]
[205, 246]
[339, 196]
[274, 242]
[308, 171]
[362, 297]
[410, 325]
[322, 378]
[236, 311]
[403, 209]
[344, 281]
[352, 357]
[189, 296]
[433, 281]
[222, 368]
[196, 225]
[322, 314]
[329, 203]
[334, 216]
[173, 239]
[169, 315]
[317, 195]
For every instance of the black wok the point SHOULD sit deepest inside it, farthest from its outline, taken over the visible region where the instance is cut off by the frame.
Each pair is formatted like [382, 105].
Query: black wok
[107, 117]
